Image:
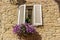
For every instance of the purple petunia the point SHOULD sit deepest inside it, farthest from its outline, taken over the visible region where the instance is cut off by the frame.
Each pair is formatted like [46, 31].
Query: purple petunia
[16, 28]
[29, 28]
[24, 28]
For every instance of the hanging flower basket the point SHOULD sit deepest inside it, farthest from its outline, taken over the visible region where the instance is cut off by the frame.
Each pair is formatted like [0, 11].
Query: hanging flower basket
[24, 29]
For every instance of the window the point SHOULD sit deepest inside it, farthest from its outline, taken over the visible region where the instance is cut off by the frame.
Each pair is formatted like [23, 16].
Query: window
[34, 13]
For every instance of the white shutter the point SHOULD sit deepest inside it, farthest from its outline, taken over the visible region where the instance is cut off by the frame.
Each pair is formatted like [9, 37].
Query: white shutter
[21, 14]
[37, 15]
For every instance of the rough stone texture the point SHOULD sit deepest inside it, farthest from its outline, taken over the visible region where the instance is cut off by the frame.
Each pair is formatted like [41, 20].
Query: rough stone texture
[51, 20]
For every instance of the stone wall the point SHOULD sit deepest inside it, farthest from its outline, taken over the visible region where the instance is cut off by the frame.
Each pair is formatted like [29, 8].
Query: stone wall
[51, 20]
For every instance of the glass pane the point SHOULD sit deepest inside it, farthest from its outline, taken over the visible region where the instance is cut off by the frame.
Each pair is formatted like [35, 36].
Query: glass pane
[28, 15]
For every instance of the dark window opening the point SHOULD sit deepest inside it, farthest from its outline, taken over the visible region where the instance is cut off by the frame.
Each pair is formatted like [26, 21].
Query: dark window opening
[28, 15]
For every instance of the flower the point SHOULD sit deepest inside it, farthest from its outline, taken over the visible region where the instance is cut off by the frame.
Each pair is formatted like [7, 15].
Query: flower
[29, 28]
[16, 29]
[24, 29]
